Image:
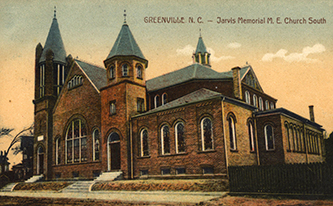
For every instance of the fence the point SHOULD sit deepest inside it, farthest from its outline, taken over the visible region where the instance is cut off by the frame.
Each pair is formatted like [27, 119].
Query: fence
[314, 178]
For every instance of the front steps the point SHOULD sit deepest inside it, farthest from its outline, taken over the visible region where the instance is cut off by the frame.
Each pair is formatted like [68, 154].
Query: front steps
[34, 178]
[109, 176]
[9, 187]
[79, 186]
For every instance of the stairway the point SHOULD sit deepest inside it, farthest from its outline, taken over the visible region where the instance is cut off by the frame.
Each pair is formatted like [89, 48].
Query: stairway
[79, 186]
[109, 176]
[9, 187]
[34, 178]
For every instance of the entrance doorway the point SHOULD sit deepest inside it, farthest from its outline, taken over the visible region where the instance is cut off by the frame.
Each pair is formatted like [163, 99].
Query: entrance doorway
[114, 152]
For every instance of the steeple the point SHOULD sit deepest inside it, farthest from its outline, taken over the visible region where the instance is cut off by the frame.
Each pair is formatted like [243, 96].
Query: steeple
[201, 55]
[54, 43]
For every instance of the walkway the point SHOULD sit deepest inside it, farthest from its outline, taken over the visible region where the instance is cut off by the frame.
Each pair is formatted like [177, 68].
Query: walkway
[132, 196]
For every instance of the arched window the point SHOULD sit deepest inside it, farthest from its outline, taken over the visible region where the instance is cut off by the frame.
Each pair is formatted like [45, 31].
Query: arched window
[206, 134]
[255, 100]
[165, 140]
[267, 104]
[76, 142]
[156, 101]
[180, 139]
[58, 151]
[232, 133]
[125, 70]
[112, 72]
[295, 139]
[269, 137]
[96, 145]
[251, 137]
[112, 107]
[139, 72]
[288, 136]
[272, 105]
[247, 97]
[261, 104]
[144, 143]
[40, 160]
[164, 99]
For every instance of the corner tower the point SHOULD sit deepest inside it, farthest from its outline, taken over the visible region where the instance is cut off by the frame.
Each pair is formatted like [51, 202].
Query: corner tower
[201, 55]
[123, 97]
[51, 67]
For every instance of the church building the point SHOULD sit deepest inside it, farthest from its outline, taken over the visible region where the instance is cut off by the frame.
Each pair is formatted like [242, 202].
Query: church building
[193, 122]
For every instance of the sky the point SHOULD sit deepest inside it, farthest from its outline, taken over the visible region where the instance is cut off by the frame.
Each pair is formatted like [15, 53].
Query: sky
[288, 44]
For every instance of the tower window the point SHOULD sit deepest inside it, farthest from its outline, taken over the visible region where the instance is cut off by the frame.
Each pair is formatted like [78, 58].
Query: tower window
[140, 105]
[247, 97]
[125, 70]
[139, 72]
[112, 72]
[41, 80]
[112, 107]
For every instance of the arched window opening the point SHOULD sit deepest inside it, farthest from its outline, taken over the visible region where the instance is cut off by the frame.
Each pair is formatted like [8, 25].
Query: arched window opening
[165, 140]
[76, 142]
[267, 104]
[255, 100]
[206, 134]
[251, 137]
[232, 133]
[112, 72]
[139, 72]
[288, 136]
[164, 99]
[125, 70]
[96, 145]
[112, 107]
[272, 105]
[247, 97]
[40, 160]
[261, 104]
[180, 139]
[58, 151]
[156, 101]
[269, 137]
[144, 143]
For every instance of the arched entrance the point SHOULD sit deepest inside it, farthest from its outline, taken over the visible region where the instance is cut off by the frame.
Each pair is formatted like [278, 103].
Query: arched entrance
[40, 160]
[113, 151]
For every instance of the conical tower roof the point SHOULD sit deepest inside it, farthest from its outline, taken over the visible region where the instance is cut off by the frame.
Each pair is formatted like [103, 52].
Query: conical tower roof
[54, 42]
[125, 44]
[201, 48]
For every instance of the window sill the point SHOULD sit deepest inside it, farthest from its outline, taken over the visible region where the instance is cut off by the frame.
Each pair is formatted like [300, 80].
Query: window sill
[207, 151]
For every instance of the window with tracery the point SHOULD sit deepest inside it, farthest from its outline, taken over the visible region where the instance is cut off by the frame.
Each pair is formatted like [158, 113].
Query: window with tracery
[165, 139]
[144, 143]
[76, 142]
[180, 139]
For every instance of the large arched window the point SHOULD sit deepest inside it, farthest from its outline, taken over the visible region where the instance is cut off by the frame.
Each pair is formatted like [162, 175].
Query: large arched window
[232, 133]
[156, 101]
[144, 147]
[96, 145]
[180, 139]
[251, 137]
[206, 134]
[164, 99]
[125, 70]
[269, 137]
[58, 151]
[76, 142]
[165, 140]
[247, 97]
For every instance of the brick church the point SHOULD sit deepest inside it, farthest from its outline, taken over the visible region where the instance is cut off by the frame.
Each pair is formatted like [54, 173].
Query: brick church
[189, 123]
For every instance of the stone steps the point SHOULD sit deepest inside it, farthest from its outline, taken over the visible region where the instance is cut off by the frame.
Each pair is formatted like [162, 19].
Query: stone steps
[9, 187]
[79, 186]
[109, 176]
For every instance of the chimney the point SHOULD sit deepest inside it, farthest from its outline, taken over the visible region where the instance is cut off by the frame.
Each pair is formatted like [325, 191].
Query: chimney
[237, 82]
[311, 113]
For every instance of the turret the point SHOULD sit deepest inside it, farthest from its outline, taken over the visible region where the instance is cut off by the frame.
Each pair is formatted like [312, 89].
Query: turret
[201, 55]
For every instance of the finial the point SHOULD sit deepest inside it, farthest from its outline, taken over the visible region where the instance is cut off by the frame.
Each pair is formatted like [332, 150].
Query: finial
[124, 16]
[200, 32]
[55, 12]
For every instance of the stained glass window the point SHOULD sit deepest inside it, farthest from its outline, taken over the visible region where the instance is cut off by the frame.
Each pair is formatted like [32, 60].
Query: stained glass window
[180, 139]
[206, 134]
[165, 139]
[76, 142]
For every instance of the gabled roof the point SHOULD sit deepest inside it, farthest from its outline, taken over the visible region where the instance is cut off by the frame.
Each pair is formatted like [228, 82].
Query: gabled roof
[249, 70]
[96, 74]
[201, 48]
[54, 42]
[125, 44]
[194, 71]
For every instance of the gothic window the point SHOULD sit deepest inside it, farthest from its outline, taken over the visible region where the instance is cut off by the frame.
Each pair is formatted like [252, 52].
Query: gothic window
[251, 137]
[112, 107]
[96, 145]
[206, 134]
[267, 104]
[255, 100]
[247, 97]
[261, 104]
[164, 99]
[165, 140]
[232, 133]
[139, 72]
[140, 105]
[76, 142]
[144, 143]
[288, 136]
[112, 72]
[269, 137]
[58, 151]
[60, 77]
[180, 139]
[156, 101]
[41, 80]
[125, 70]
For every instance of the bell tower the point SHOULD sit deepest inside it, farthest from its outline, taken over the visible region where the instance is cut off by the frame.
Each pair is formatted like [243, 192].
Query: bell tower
[201, 55]
[123, 97]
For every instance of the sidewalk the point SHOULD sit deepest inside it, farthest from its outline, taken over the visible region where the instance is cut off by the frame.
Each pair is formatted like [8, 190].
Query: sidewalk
[132, 196]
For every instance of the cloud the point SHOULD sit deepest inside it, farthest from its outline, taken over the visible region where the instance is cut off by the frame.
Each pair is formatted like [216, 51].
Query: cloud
[234, 45]
[296, 57]
[189, 49]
